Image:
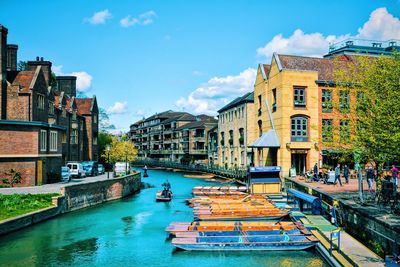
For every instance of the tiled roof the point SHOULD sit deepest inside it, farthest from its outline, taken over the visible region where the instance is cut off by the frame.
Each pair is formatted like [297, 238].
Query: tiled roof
[84, 105]
[324, 66]
[180, 116]
[24, 80]
[248, 97]
[196, 124]
[266, 68]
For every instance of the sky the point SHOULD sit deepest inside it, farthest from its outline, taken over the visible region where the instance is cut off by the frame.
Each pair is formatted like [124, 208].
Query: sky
[148, 56]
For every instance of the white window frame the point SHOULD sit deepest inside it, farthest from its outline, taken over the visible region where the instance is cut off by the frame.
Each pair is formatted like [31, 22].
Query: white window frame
[74, 137]
[40, 99]
[53, 140]
[43, 140]
[94, 140]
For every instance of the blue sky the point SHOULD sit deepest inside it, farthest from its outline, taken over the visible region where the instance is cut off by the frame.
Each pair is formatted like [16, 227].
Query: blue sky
[142, 57]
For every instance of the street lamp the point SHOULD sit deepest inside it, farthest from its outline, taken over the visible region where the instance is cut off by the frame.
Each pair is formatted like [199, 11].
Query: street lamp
[108, 160]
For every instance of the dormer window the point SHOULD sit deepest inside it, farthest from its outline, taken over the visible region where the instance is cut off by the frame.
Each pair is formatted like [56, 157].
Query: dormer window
[40, 99]
[299, 96]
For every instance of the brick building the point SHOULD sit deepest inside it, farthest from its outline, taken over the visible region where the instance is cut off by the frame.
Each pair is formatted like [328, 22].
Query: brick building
[42, 124]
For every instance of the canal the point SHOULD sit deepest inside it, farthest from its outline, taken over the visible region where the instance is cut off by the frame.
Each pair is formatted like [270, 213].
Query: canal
[130, 232]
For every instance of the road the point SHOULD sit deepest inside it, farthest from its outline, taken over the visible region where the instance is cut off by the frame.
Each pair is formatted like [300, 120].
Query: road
[51, 188]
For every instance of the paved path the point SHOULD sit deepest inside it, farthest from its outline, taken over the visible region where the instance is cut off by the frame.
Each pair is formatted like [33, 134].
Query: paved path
[51, 188]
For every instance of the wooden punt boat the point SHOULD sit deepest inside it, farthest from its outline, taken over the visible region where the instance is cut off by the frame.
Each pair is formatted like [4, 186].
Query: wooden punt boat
[162, 198]
[237, 233]
[237, 243]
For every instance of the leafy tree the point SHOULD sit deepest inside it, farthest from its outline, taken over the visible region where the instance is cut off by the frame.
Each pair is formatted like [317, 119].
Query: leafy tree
[121, 150]
[103, 140]
[22, 65]
[375, 86]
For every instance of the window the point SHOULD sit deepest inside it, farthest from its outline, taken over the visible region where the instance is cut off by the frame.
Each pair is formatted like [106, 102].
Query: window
[94, 140]
[232, 160]
[242, 158]
[231, 137]
[74, 115]
[273, 100]
[40, 99]
[241, 136]
[223, 156]
[95, 119]
[43, 140]
[74, 137]
[344, 101]
[259, 105]
[299, 97]
[53, 141]
[51, 108]
[326, 100]
[222, 139]
[259, 128]
[344, 131]
[64, 112]
[327, 133]
[299, 129]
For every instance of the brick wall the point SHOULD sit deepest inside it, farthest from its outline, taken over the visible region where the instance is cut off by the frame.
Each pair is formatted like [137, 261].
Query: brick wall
[23, 142]
[26, 168]
[17, 105]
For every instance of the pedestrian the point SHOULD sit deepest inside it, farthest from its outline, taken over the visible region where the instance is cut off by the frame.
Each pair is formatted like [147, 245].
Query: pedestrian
[346, 173]
[370, 178]
[316, 174]
[337, 175]
[395, 175]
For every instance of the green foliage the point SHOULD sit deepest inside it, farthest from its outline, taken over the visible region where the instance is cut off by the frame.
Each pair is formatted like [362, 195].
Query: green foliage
[103, 140]
[14, 177]
[22, 65]
[18, 204]
[375, 84]
[120, 151]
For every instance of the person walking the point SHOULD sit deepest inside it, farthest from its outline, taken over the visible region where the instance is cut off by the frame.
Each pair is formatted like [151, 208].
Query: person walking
[370, 178]
[337, 175]
[316, 174]
[395, 175]
[346, 173]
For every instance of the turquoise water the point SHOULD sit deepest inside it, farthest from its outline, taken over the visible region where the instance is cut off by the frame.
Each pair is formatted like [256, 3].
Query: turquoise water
[130, 232]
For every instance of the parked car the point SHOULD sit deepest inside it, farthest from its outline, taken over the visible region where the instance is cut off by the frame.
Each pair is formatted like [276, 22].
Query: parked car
[76, 169]
[66, 175]
[91, 168]
[101, 169]
[121, 169]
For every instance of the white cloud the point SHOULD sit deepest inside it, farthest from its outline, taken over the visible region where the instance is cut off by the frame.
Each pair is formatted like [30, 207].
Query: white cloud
[381, 26]
[143, 19]
[217, 92]
[197, 73]
[83, 79]
[99, 17]
[118, 108]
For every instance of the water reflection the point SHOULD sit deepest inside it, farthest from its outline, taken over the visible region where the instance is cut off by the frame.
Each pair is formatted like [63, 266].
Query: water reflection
[128, 224]
[82, 248]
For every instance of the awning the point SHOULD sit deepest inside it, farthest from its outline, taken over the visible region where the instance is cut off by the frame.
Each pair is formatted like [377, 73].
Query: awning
[269, 139]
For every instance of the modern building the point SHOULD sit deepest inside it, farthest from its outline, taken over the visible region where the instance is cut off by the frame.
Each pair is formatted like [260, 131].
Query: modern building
[172, 136]
[236, 132]
[41, 126]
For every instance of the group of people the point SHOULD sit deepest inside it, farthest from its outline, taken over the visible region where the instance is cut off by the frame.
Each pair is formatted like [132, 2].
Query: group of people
[370, 175]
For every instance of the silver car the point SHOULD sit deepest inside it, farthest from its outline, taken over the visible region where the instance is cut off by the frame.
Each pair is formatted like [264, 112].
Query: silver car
[65, 174]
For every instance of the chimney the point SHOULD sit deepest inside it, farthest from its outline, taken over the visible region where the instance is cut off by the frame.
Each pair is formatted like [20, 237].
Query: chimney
[12, 50]
[3, 72]
[46, 67]
[67, 84]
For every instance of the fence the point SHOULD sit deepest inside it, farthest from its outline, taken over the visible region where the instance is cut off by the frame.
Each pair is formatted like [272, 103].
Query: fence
[238, 173]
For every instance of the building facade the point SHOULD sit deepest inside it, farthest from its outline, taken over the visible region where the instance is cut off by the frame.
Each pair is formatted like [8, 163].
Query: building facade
[41, 110]
[236, 132]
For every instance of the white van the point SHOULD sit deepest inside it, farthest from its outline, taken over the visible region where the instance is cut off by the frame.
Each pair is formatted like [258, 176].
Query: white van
[76, 169]
[121, 168]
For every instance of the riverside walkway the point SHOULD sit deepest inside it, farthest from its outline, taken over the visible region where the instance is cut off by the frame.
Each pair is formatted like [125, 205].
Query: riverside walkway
[51, 188]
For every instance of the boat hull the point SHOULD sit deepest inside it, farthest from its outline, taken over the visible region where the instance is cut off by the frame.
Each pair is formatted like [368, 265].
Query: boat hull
[264, 218]
[246, 246]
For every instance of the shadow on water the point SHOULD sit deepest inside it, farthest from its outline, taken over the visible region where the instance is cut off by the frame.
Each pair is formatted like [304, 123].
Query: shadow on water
[86, 247]
[128, 220]
[144, 185]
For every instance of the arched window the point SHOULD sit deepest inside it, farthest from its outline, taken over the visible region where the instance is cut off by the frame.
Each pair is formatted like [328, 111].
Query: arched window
[299, 129]
[259, 128]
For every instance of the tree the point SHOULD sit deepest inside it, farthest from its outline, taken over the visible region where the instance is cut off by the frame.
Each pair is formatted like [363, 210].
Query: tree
[104, 121]
[103, 140]
[22, 65]
[375, 85]
[120, 151]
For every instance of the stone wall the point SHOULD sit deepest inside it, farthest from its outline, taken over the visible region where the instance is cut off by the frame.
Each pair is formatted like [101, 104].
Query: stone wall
[89, 194]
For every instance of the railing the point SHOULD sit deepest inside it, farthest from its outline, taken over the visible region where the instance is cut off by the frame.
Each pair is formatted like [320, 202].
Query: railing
[239, 174]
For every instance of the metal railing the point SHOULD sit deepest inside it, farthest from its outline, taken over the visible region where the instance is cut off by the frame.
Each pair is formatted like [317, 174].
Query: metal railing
[239, 174]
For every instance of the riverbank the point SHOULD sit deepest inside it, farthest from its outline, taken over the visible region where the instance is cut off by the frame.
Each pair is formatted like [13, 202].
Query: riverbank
[75, 196]
[374, 227]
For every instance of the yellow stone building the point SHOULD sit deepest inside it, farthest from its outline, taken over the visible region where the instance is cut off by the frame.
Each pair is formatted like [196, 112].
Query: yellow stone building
[236, 132]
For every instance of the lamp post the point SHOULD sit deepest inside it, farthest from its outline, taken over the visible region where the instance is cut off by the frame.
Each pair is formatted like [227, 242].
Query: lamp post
[108, 160]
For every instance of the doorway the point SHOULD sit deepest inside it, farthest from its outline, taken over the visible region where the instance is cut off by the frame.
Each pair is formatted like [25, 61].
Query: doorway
[299, 161]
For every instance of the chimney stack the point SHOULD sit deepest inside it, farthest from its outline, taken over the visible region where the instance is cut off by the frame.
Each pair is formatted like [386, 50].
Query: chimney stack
[12, 51]
[46, 67]
[3, 72]
[67, 84]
